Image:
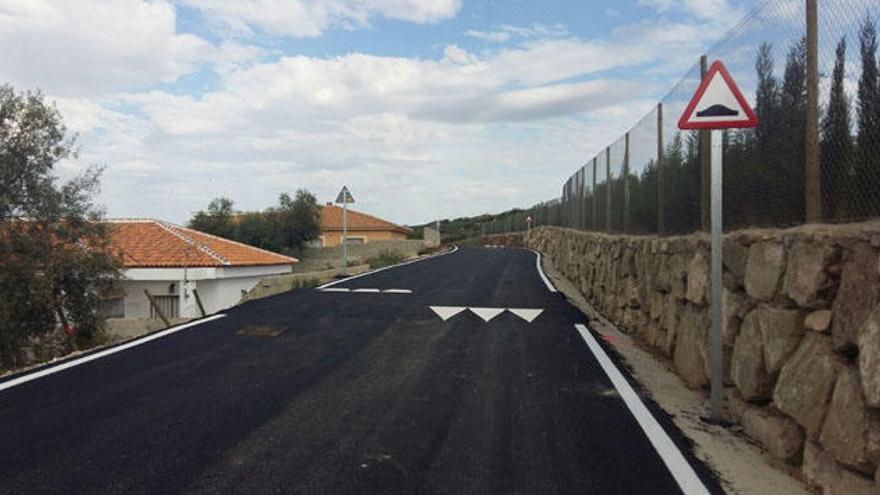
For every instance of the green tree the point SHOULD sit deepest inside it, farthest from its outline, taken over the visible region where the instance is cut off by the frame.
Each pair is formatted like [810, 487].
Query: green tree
[300, 219]
[868, 166]
[55, 255]
[837, 145]
[217, 220]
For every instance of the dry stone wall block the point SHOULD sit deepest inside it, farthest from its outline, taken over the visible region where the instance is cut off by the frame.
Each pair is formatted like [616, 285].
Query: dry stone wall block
[764, 269]
[781, 331]
[847, 424]
[869, 357]
[735, 259]
[747, 365]
[859, 292]
[806, 381]
[818, 321]
[805, 275]
[698, 278]
[781, 436]
[690, 347]
[820, 470]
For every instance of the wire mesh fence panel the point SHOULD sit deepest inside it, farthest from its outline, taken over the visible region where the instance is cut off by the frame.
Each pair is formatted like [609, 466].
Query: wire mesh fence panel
[599, 200]
[850, 98]
[681, 160]
[617, 153]
[643, 175]
[765, 169]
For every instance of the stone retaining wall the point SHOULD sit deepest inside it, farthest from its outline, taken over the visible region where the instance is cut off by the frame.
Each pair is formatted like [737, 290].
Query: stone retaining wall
[801, 330]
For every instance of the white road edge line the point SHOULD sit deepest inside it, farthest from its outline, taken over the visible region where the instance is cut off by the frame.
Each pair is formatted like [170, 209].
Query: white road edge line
[678, 466]
[546, 280]
[335, 290]
[331, 284]
[106, 352]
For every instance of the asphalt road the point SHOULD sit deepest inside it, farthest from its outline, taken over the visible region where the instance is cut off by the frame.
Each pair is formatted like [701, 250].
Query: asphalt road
[361, 392]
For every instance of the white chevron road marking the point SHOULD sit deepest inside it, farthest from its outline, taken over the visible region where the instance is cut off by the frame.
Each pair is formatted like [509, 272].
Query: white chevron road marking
[487, 313]
[526, 314]
[447, 312]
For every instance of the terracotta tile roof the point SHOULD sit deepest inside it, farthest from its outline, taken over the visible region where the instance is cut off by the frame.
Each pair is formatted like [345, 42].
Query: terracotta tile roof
[155, 244]
[331, 220]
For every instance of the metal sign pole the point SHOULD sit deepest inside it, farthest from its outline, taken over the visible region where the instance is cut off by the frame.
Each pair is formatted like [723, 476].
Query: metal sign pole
[345, 236]
[716, 351]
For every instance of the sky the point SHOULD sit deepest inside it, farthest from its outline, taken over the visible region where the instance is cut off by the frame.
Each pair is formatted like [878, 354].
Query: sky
[426, 109]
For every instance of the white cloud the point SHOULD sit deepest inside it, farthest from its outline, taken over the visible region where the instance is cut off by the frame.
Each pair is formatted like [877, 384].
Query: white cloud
[719, 12]
[90, 47]
[309, 18]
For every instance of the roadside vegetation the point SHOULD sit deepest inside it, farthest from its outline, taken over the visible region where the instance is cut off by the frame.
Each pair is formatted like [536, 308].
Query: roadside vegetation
[385, 258]
[285, 228]
[457, 229]
[54, 256]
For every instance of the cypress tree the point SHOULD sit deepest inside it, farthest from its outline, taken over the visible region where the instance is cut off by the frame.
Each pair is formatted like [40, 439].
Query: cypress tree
[837, 144]
[787, 176]
[868, 140]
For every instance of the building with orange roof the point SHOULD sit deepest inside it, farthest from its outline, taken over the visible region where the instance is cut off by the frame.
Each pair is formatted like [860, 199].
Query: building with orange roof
[172, 262]
[362, 228]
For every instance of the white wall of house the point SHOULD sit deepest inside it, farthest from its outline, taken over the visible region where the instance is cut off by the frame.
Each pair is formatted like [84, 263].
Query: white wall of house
[219, 288]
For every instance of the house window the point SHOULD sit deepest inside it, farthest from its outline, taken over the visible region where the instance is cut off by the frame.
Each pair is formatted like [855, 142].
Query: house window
[112, 308]
[170, 306]
[357, 240]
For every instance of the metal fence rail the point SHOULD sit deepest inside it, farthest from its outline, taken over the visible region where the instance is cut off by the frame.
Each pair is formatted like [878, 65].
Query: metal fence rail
[655, 178]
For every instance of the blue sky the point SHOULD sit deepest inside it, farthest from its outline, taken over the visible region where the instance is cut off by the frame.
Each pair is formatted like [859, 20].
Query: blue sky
[425, 108]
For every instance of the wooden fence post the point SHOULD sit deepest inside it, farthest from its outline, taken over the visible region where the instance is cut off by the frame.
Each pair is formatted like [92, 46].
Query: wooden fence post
[626, 185]
[608, 189]
[595, 196]
[812, 173]
[661, 181]
[199, 302]
[156, 308]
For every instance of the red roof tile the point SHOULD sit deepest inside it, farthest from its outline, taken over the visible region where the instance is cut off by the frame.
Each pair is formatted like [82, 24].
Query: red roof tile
[331, 220]
[154, 244]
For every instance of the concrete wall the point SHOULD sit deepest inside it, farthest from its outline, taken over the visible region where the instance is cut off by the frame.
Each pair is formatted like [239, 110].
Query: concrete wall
[333, 238]
[801, 330]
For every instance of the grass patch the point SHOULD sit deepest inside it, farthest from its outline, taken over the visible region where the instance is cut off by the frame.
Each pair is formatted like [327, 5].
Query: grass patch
[385, 258]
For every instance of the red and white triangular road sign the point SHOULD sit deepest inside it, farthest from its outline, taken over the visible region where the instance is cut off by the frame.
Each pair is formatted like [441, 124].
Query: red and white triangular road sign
[718, 104]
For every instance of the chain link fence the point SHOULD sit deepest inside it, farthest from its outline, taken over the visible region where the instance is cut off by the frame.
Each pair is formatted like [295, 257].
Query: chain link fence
[655, 178]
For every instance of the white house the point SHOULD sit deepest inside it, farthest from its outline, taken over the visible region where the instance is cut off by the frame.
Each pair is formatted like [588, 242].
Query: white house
[171, 262]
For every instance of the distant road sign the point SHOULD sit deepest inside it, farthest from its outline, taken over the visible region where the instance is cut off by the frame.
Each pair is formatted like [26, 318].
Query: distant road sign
[344, 196]
[718, 104]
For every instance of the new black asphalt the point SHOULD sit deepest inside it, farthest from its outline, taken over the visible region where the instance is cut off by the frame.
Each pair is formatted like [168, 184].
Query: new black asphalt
[359, 393]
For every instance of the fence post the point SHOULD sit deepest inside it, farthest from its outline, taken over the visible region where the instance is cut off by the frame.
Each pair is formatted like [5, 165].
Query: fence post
[626, 185]
[595, 196]
[705, 136]
[608, 189]
[661, 181]
[812, 174]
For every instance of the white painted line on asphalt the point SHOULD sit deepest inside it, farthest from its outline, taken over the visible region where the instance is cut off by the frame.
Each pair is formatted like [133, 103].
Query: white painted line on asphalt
[678, 466]
[487, 313]
[447, 312]
[106, 352]
[546, 280]
[331, 284]
[526, 314]
[371, 291]
[397, 291]
[334, 289]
